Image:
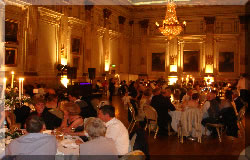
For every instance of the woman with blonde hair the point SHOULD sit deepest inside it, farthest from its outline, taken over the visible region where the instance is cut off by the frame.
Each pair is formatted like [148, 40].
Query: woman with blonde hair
[71, 120]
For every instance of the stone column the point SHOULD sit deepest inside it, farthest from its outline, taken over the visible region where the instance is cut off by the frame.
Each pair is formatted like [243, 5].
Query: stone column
[106, 39]
[121, 46]
[143, 46]
[242, 42]
[209, 49]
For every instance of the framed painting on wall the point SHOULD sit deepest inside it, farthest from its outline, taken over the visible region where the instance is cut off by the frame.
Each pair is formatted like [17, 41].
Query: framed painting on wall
[76, 61]
[226, 62]
[76, 45]
[158, 62]
[10, 56]
[11, 30]
[191, 61]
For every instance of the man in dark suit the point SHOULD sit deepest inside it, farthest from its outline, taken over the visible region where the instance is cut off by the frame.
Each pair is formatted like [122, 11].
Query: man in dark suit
[237, 100]
[162, 105]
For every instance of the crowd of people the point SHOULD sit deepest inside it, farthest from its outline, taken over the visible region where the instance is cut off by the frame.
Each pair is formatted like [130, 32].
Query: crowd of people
[97, 126]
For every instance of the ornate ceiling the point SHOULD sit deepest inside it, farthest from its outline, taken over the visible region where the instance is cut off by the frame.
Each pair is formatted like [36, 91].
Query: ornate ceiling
[162, 2]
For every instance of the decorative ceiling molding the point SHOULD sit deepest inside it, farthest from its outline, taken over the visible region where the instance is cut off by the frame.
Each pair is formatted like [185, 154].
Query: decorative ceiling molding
[20, 3]
[49, 16]
[114, 34]
[76, 22]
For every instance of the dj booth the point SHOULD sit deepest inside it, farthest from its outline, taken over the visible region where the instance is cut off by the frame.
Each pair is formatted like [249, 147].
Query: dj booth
[83, 89]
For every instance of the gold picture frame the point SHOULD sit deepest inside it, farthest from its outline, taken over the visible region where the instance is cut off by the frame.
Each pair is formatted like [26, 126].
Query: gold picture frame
[76, 45]
[10, 56]
[11, 31]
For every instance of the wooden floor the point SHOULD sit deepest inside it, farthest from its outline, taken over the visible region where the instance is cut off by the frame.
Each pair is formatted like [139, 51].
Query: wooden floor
[168, 147]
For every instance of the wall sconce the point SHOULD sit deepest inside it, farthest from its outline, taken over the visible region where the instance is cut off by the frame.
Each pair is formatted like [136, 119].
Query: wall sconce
[172, 80]
[209, 68]
[173, 68]
[64, 61]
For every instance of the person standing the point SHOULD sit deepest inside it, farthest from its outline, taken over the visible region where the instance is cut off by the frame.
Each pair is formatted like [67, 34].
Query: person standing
[111, 88]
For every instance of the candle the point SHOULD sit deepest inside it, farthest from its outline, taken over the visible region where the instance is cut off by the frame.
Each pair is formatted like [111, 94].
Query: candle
[182, 79]
[193, 80]
[12, 79]
[19, 88]
[22, 86]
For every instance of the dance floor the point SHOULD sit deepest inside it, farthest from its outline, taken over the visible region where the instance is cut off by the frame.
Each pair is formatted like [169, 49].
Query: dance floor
[168, 147]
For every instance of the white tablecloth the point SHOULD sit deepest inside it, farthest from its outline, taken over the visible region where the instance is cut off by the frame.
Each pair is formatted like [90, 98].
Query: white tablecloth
[176, 117]
[67, 149]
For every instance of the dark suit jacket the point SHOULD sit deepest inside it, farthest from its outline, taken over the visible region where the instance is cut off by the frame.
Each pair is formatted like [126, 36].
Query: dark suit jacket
[51, 121]
[239, 104]
[161, 105]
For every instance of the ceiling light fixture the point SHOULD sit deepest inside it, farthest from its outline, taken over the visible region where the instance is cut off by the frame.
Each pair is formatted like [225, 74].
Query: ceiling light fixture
[171, 26]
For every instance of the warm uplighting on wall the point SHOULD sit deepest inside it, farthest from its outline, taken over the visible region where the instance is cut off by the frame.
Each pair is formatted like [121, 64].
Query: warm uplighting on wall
[209, 68]
[173, 68]
[64, 80]
[172, 80]
[64, 61]
[106, 66]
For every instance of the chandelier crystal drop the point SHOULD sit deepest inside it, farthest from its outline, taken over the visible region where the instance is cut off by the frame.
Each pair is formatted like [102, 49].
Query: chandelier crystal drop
[171, 26]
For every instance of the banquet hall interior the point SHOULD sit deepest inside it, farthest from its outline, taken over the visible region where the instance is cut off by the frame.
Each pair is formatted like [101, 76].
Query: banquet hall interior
[104, 51]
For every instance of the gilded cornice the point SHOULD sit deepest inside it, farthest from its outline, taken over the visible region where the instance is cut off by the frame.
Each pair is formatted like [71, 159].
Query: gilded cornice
[18, 3]
[49, 16]
[114, 34]
[100, 31]
[76, 22]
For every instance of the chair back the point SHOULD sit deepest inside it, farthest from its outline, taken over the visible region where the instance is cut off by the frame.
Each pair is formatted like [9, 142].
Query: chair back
[191, 118]
[134, 155]
[150, 113]
[241, 113]
[132, 110]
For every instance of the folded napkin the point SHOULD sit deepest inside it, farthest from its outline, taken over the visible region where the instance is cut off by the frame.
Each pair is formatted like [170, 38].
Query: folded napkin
[69, 143]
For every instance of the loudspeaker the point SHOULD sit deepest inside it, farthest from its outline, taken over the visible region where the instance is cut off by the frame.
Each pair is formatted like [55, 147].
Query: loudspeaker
[71, 72]
[91, 73]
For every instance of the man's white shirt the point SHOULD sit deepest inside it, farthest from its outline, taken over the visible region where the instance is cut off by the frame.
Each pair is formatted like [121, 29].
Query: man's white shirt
[119, 133]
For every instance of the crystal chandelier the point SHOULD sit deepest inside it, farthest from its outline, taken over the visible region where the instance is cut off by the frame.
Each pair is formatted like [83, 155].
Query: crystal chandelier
[171, 26]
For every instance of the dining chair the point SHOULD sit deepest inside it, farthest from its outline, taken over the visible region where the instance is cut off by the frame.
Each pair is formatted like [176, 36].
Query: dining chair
[219, 128]
[151, 117]
[190, 121]
[134, 119]
[240, 117]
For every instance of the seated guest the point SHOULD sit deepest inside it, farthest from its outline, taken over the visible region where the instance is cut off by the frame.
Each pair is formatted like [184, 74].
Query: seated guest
[33, 143]
[51, 121]
[228, 115]
[162, 104]
[72, 120]
[188, 96]
[73, 97]
[87, 110]
[194, 102]
[22, 113]
[237, 100]
[99, 146]
[211, 107]
[115, 129]
[52, 101]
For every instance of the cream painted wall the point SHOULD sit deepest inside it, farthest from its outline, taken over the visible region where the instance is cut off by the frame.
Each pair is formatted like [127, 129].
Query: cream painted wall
[46, 50]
